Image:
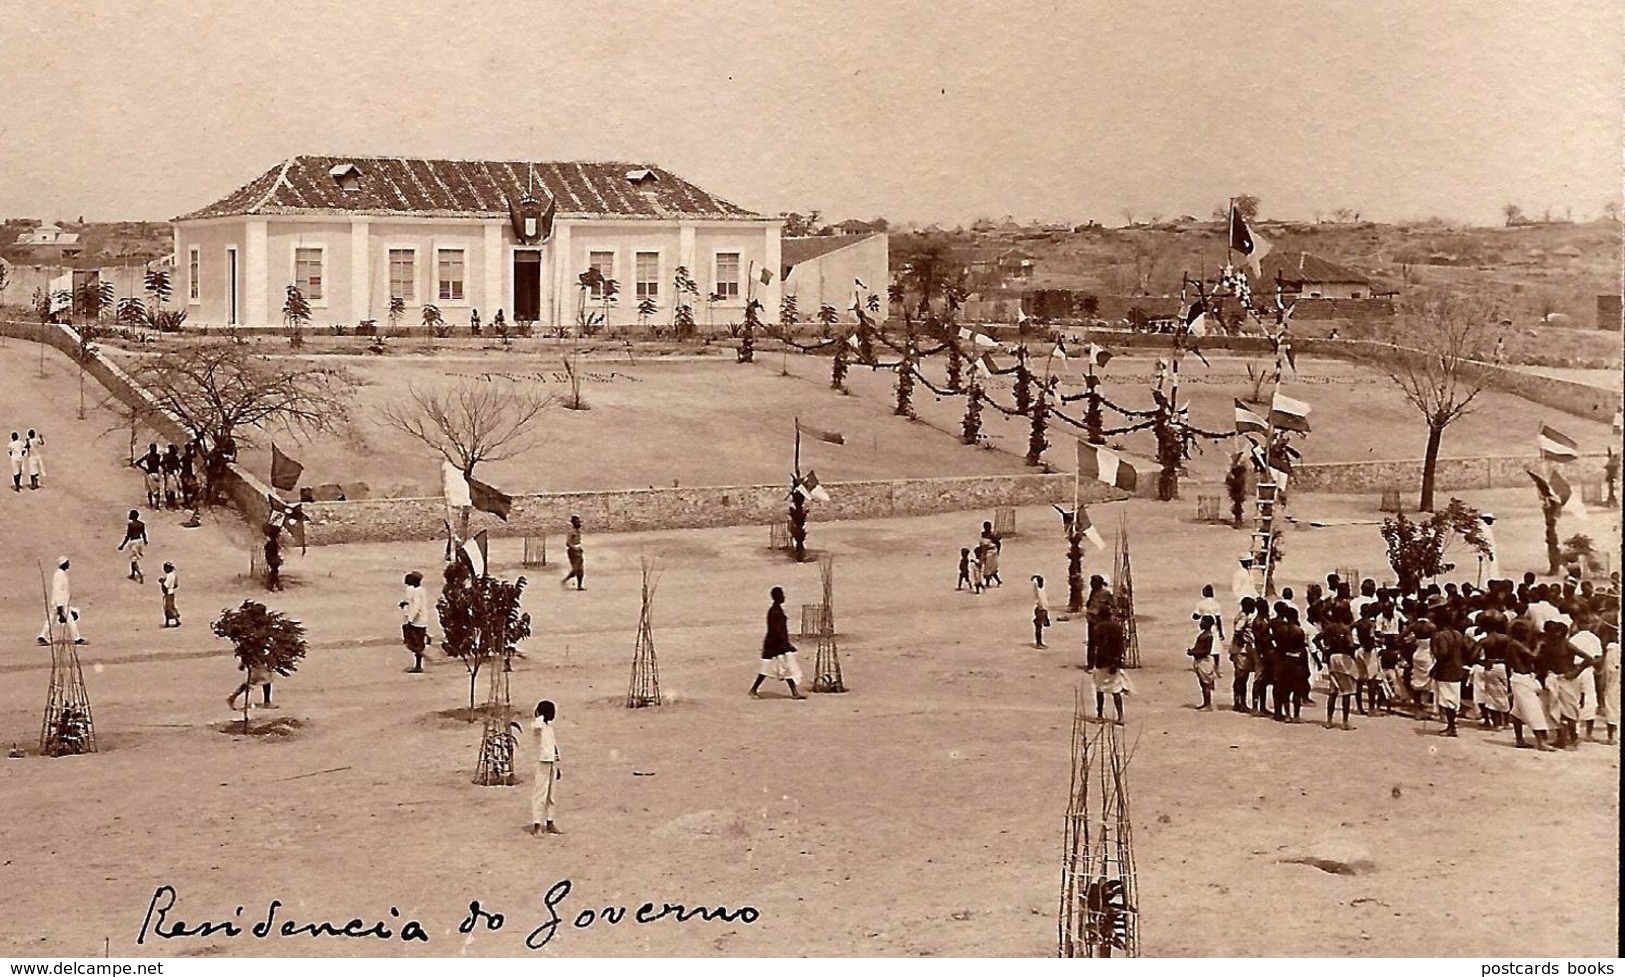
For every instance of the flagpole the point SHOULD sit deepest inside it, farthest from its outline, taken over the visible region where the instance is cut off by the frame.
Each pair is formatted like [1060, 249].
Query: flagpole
[1230, 233]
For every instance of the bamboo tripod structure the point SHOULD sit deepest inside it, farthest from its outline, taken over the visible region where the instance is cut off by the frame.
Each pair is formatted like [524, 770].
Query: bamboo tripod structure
[68, 728]
[644, 689]
[498, 745]
[1123, 594]
[1099, 914]
[827, 662]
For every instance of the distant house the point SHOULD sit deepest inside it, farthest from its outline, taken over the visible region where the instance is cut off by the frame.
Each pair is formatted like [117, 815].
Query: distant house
[848, 227]
[1016, 263]
[1302, 275]
[825, 270]
[46, 243]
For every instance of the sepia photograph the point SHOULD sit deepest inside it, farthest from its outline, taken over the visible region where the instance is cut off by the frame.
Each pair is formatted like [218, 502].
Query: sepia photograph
[501, 480]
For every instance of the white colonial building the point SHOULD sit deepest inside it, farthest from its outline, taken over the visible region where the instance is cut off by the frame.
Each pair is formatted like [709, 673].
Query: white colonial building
[357, 233]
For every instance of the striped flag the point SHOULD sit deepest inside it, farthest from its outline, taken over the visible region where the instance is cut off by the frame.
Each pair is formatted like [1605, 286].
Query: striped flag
[1556, 446]
[476, 551]
[1105, 465]
[1289, 414]
[488, 499]
[811, 489]
[1087, 528]
[1249, 421]
[1099, 355]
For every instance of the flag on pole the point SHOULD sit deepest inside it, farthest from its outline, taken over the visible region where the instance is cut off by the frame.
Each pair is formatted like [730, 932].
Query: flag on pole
[1099, 355]
[1105, 465]
[1544, 488]
[767, 276]
[1289, 414]
[1252, 245]
[859, 283]
[477, 552]
[810, 489]
[1196, 318]
[284, 470]
[1087, 528]
[488, 499]
[1567, 498]
[1276, 476]
[979, 339]
[1249, 421]
[1556, 446]
[454, 486]
[829, 437]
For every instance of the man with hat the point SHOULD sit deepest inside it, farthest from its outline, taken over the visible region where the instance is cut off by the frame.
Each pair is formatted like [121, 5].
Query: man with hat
[1242, 583]
[62, 613]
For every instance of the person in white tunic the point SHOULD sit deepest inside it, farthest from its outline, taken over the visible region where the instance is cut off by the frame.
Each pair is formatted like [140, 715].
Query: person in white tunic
[543, 802]
[1489, 564]
[62, 613]
[1608, 690]
[36, 458]
[17, 455]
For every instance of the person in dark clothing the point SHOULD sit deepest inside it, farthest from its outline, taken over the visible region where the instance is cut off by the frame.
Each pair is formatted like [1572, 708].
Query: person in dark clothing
[778, 654]
[1292, 672]
[1264, 655]
[189, 464]
[1243, 659]
[1095, 609]
[1205, 661]
[273, 556]
[1108, 674]
[152, 471]
[577, 557]
[1336, 645]
[224, 453]
[172, 476]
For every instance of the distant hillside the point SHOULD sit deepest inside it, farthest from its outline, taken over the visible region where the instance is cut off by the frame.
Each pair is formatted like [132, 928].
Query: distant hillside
[116, 242]
[1537, 268]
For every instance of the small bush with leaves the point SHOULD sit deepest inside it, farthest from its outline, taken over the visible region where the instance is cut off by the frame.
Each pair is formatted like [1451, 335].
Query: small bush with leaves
[480, 618]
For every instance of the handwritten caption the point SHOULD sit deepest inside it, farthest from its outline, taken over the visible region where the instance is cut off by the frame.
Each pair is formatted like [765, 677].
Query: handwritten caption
[163, 922]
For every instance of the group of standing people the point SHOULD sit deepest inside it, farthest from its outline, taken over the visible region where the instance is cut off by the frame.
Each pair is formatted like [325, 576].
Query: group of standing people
[26, 455]
[172, 475]
[979, 566]
[1541, 656]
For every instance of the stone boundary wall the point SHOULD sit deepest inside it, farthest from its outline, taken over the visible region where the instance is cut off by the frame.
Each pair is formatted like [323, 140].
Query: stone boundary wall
[1451, 474]
[248, 494]
[641, 510]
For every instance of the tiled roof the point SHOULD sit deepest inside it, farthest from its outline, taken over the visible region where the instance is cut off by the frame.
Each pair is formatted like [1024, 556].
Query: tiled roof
[794, 250]
[1301, 266]
[389, 186]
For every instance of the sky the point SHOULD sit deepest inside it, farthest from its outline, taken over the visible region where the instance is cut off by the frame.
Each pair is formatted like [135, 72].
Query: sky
[917, 111]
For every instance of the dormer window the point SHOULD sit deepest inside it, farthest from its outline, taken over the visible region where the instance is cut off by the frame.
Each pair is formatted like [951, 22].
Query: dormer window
[640, 178]
[347, 176]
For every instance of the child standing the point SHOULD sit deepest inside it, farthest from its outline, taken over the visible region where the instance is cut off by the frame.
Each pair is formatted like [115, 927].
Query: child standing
[1206, 664]
[169, 583]
[964, 570]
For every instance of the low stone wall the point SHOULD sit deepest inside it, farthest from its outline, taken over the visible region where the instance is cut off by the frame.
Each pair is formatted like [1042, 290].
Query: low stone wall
[639, 510]
[1451, 474]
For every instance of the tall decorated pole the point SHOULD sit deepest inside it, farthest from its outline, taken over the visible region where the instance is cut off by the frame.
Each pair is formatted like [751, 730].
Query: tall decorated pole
[798, 505]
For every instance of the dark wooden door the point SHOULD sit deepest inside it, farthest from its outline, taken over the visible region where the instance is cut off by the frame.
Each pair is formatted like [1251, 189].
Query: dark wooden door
[527, 286]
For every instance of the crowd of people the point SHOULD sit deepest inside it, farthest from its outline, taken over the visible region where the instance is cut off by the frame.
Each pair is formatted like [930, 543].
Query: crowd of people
[1541, 657]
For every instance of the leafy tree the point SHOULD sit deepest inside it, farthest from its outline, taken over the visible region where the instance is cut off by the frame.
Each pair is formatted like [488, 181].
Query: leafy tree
[262, 639]
[646, 310]
[131, 312]
[480, 619]
[1438, 375]
[1247, 206]
[295, 315]
[1417, 548]
[801, 225]
[1513, 214]
[1235, 483]
[159, 288]
[688, 292]
[397, 309]
[747, 334]
[827, 317]
[434, 322]
[789, 315]
[905, 376]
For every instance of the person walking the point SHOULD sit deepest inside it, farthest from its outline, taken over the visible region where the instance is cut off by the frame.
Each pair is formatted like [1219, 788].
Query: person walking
[135, 539]
[415, 619]
[36, 458]
[168, 584]
[1040, 612]
[778, 654]
[990, 563]
[62, 612]
[572, 550]
[17, 455]
[543, 796]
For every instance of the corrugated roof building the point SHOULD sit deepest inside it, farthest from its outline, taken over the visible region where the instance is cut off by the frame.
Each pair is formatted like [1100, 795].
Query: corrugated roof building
[360, 234]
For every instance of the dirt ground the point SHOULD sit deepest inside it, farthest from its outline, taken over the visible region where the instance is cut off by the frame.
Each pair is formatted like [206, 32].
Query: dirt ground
[920, 814]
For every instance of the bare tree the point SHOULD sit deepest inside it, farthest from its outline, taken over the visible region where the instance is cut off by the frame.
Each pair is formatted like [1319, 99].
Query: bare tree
[1149, 253]
[221, 390]
[470, 422]
[1443, 333]
[1513, 213]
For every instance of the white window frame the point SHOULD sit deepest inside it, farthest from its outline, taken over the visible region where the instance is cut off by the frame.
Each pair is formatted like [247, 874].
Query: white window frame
[416, 300]
[660, 271]
[194, 275]
[456, 303]
[293, 273]
[595, 292]
[739, 284]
